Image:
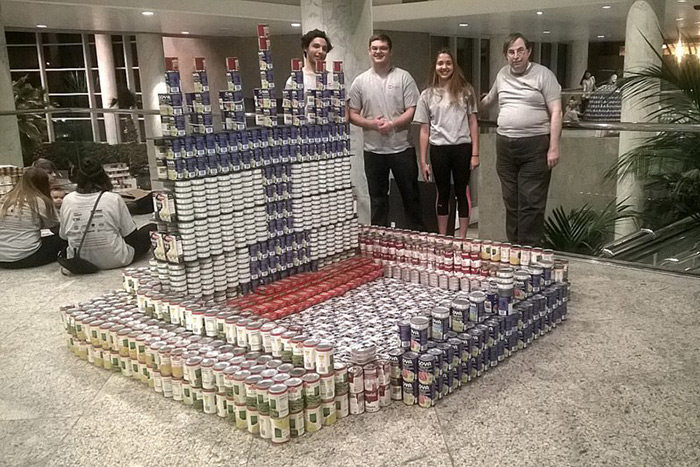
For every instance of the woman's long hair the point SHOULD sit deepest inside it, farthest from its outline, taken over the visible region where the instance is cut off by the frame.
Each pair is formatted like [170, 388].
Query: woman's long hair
[32, 188]
[457, 85]
[584, 76]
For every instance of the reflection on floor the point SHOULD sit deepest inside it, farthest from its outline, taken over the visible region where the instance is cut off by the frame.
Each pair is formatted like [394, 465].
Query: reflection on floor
[617, 384]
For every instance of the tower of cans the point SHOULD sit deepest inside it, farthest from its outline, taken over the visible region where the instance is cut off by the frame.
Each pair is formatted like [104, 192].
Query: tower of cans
[199, 102]
[172, 111]
[293, 98]
[244, 206]
[265, 97]
[231, 99]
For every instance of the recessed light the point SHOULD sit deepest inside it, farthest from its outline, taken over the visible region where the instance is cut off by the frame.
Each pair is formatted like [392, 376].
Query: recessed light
[463, 25]
[540, 12]
[296, 25]
[665, 46]
[607, 7]
[601, 36]
[680, 19]
[147, 13]
[546, 31]
[185, 32]
[41, 26]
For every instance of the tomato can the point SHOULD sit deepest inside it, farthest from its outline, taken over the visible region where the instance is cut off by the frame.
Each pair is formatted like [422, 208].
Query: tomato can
[297, 424]
[328, 412]
[357, 403]
[313, 419]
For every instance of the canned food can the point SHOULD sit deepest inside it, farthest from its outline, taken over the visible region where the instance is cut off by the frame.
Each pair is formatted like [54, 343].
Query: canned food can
[281, 431]
[410, 392]
[356, 380]
[385, 395]
[409, 367]
[426, 369]
[313, 419]
[328, 412]
[265, 425]
[396, 392]
[241, 416]
[342, 405]
[297, 424]
[426, 395]
[357, 403]
[253, 421]
[372, 401]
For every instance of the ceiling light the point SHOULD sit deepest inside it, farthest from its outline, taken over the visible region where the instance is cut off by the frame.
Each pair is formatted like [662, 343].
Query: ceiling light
[147, 13]
[540, 12]
[601, 36]
[607, 7]
[296, 25]
[185, 32]
[680, 19]
[546, 31]
[41, 26]
[463, 25]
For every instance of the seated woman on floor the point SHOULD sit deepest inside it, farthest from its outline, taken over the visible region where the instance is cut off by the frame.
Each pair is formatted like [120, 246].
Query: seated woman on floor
[24, 212]
[112, 241]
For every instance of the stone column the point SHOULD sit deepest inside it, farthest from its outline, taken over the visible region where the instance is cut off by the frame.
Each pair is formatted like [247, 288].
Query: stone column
[152, 75]
[578, 62]
[642, 26]
[108, 84]
[11, 152]
[349, 27]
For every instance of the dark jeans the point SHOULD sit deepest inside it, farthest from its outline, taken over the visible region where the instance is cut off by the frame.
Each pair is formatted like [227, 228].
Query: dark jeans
[522, 168]
[403, 166]
[47, 253]
[140, 240]
[451, 162]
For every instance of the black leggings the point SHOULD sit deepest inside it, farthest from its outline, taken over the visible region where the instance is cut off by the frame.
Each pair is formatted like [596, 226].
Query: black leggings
[140, 240]
[47, 253]
[451, 160]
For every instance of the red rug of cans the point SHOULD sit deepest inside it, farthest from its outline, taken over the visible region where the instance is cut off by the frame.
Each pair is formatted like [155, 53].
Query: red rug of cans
[302, 291]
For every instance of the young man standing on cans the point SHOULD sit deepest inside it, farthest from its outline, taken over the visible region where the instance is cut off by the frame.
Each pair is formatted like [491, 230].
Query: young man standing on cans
[316, 46]
[382, 101]
[527, 145]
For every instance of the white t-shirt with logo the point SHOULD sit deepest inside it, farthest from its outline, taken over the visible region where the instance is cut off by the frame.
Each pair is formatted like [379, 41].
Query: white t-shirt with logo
[389, 96]
[104, 243]
[20, 231]
[449, 121]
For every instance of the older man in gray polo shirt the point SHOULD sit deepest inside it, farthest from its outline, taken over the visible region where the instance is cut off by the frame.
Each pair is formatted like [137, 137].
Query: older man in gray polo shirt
[382, 101]
[527, 146]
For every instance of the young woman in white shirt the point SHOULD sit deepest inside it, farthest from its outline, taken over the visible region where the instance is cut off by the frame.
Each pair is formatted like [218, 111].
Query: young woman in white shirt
[447, 113]
[112, 240]
[24, 212]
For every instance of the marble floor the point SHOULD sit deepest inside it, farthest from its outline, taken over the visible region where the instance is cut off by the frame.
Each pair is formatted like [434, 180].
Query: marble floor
[617, 384]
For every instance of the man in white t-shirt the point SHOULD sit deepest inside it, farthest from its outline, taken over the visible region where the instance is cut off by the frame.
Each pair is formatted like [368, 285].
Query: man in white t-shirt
[382, 101]
[527, 146]
[316, 46]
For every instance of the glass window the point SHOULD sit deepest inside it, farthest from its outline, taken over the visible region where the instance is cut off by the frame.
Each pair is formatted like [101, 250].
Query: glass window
[73, 130]
[465, 57]
[60, 38]
[66, 81]
[33, 77]
[70, 101]
[562, 62]
[13, 37]
[118, 52]
[437, 43]
[96, 80]
[93, 54]
[134, 54]
[101, 129]
[546, 54]
[64, 56]
[137, 81]
[23, 58]
[485, 69]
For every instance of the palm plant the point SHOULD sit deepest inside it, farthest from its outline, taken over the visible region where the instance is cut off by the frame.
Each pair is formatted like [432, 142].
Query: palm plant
[583, 230]
[32, 126]
[667, 164]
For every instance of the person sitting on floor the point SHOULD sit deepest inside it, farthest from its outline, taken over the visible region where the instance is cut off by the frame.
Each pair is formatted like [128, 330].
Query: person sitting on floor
[24, 212]
[112, 241]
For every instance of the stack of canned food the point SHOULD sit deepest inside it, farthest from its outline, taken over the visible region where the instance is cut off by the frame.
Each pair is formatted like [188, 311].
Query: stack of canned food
[231, 100]
[265, 100]
[272, 381]
[458, 341]
[449, 263]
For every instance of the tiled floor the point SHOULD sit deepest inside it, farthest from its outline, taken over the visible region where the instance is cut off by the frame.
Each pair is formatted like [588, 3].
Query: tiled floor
[618, 384]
